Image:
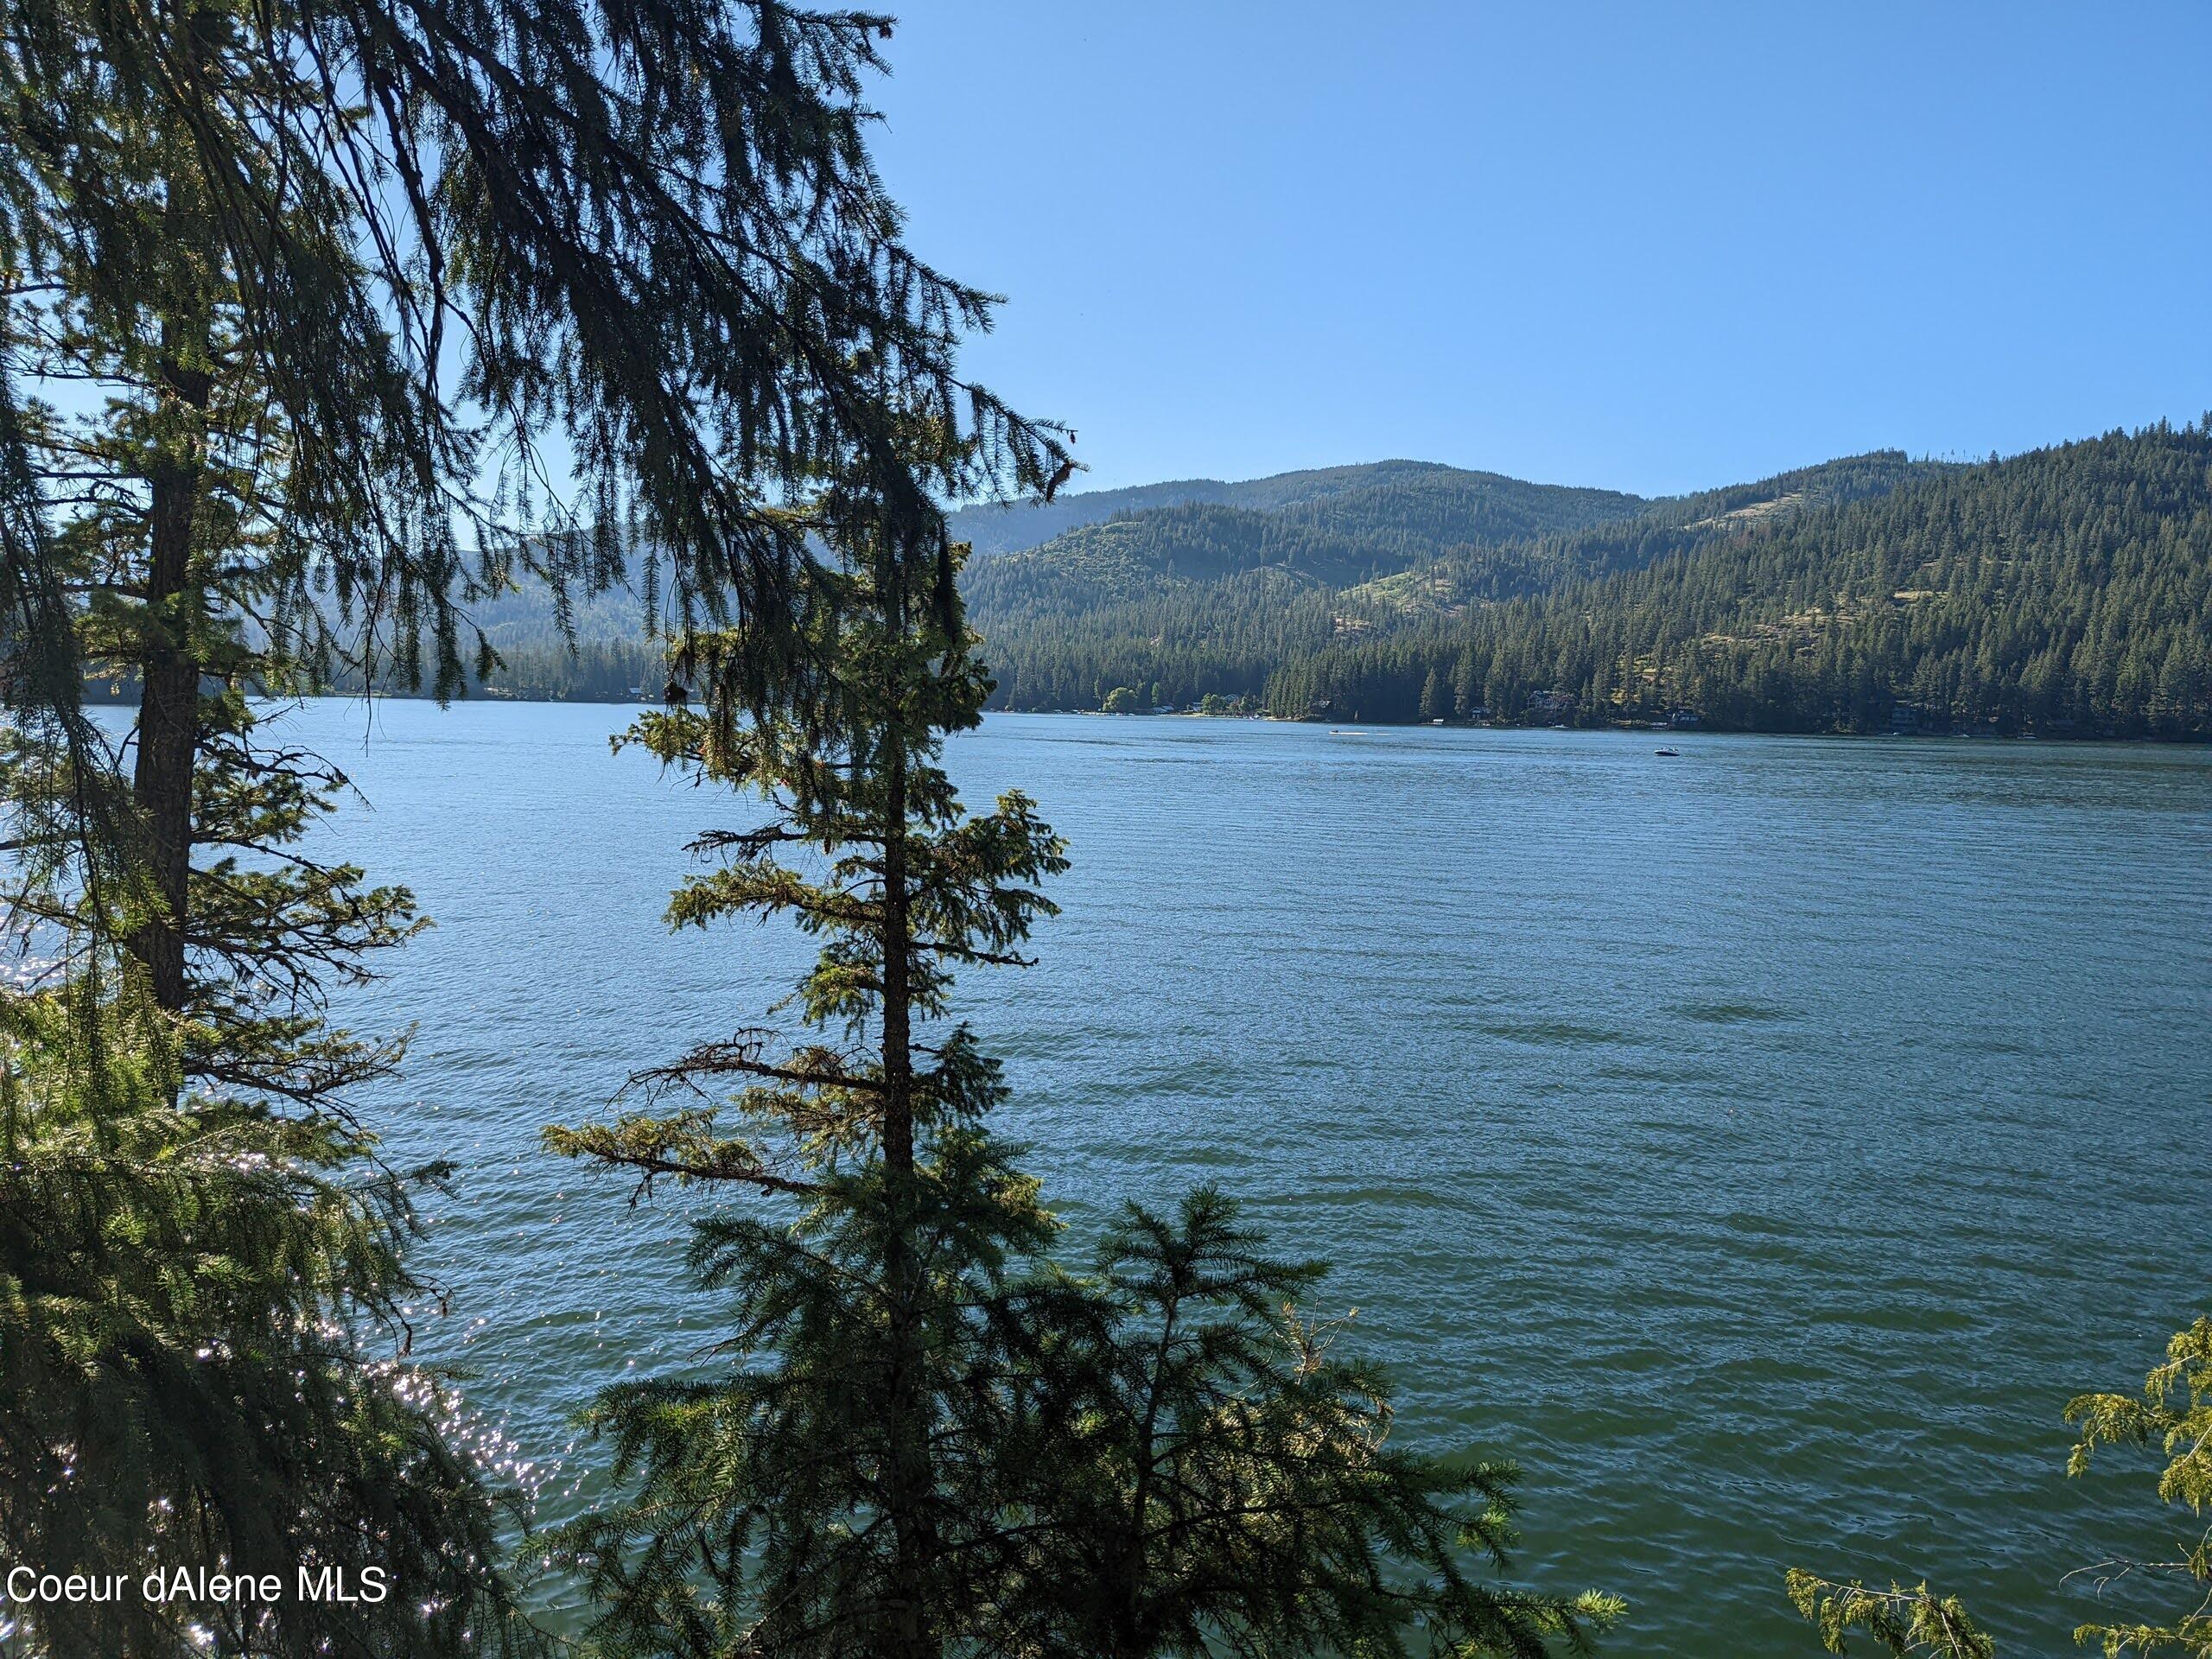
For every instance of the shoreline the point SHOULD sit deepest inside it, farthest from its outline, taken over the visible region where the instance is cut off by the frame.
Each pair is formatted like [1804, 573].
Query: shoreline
[1621, 728]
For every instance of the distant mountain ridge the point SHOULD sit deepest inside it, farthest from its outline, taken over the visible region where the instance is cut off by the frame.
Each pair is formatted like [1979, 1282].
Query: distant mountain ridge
[1206, 600]
[2064, 591]
[2067, 590]
[1011, 527]
[1347, 522]
[1377, 521]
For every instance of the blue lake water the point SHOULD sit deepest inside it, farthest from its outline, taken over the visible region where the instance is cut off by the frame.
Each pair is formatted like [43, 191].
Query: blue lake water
[1759, 1144]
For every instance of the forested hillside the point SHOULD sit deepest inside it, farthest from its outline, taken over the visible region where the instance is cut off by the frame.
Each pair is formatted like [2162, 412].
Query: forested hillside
[1391, 517]
[610, 655]
[2061, 591]
[1204, 598]
[1198, 600]
[1332, 526]
[2067, 590]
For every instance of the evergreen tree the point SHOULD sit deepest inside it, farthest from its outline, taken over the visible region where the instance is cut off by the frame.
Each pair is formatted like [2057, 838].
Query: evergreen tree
[203, 1312]
[1215, 1477]
[431, 236]
[258, 242]
[1466, 688]
[202, 1288]
[203, 1315]
[923, 1439]
[188, 530]
[833, 1491]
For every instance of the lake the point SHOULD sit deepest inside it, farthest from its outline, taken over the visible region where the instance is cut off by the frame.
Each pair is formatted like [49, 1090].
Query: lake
[1759, 1144]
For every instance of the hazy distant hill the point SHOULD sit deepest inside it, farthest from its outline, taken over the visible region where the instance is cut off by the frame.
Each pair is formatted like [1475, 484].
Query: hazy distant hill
[1005, 529]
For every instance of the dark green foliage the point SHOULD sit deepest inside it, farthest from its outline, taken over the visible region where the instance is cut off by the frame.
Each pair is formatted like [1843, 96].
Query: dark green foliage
[2068, 590]
[201, 1256]
[922, 1438]
[1216, 1477]
[193, 1299]
[2065, 591]
[831, 1492]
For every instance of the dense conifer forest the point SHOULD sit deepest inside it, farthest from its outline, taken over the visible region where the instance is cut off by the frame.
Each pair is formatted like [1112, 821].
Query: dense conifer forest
[2064, 591]
[1181, 605]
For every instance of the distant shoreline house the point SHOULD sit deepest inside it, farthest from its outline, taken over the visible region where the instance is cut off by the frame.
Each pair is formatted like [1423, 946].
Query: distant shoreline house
[1551, 706]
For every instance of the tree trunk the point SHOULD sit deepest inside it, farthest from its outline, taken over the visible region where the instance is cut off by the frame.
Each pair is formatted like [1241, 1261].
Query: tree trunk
[910, 1478]
[168, 706]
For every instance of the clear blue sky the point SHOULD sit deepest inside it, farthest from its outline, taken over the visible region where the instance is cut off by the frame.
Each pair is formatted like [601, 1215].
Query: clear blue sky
[1653, 246]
